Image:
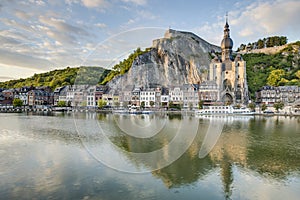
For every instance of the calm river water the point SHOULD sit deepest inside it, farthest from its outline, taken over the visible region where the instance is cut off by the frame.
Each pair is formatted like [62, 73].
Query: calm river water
[98, 156]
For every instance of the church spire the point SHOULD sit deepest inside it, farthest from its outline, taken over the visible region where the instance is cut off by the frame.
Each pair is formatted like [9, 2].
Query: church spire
[227, 42]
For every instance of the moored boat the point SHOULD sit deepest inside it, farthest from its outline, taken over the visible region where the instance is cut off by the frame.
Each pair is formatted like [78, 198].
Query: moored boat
[224, 110]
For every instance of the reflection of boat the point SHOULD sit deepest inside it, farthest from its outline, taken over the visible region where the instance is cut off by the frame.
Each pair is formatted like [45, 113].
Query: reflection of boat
[132, 111]
[227, 118]
[268, 112]
[224, 110]
[121, 111]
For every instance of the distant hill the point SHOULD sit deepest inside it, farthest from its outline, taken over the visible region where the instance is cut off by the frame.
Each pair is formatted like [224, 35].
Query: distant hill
[61, 77]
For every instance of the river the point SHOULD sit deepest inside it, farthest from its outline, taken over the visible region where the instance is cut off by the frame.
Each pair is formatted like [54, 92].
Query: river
[157, 156]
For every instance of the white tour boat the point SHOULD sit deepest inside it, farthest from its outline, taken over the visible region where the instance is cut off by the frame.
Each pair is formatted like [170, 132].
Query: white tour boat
[224, 110]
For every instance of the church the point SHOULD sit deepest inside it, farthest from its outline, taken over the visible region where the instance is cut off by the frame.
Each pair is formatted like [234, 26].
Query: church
[227, 80]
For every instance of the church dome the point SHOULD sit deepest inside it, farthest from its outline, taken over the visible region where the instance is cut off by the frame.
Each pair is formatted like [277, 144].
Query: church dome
[227, 43]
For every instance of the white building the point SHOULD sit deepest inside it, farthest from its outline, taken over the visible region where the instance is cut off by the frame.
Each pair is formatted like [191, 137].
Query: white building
[176, 95]
[190, 96]
[90, 97]
[148, 97]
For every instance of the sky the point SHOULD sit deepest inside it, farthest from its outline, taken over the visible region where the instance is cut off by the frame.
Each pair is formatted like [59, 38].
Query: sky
[38, 35]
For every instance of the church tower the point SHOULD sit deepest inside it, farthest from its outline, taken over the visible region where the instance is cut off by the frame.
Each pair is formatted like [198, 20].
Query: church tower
[226, 44]
[229, 74]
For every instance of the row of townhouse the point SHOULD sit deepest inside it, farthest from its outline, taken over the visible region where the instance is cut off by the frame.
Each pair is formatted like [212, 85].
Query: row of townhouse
[79, 95]
[30, 96]
[269, 95]
[186, 96]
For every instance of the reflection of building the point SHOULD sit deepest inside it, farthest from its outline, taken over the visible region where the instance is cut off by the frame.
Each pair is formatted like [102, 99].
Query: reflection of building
[269, 95]
[228, 74]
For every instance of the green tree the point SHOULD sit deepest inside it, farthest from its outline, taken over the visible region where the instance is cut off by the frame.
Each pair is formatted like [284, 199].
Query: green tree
[151, 103]
[190, 106]
[83, 104]
[171, 104]
[275, 77]
[143, 104]
[101, 103]
[116, 103]
[17, 102]
[260, 44]
[251, 106]
[123, 66]
[61, 103]
[278, 106]
[298, 74]
[200, 104]
[264, 107]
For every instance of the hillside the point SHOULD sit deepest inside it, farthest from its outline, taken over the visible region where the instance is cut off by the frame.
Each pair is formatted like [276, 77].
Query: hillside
[282, 67]
[60, 77]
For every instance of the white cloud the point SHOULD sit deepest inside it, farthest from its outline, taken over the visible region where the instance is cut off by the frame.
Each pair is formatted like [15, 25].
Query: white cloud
[257, 20]
[211, 32]
[6, 78]
[101, 25]
[69, 2]
[22, 15]
[146, 15]
[131, 21]
[27, 61]
[9, 72]
[268, 18]
[61, 31]
[61, 25]
[37, 2]
[94, 3]
[15, 24]
[137, 2]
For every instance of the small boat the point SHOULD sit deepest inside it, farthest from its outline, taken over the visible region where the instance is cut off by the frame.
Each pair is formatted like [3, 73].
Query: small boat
[224, 110]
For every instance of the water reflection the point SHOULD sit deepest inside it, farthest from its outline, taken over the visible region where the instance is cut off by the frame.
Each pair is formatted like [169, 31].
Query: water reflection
[45, 156]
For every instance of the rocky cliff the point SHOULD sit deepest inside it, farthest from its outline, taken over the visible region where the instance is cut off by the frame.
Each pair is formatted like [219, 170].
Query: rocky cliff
[176, 59]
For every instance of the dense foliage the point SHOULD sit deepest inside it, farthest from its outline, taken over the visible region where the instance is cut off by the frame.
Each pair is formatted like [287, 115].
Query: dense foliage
[61, 77]
[17, 102]
[276, 70]
[123, 66]
[266, 42]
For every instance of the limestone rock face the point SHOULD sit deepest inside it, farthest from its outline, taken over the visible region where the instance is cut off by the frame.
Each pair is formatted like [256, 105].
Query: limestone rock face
[176, 59]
